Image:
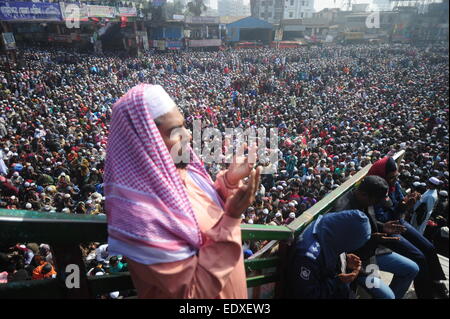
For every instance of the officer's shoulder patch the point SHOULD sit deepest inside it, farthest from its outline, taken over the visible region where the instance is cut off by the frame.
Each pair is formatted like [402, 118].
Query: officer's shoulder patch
[313, 250]
[304, 273]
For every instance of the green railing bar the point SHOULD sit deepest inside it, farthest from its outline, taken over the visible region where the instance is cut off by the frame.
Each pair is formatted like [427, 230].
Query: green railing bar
[261, 263]
[41, 227]
[27, 226]
[265, 232]
[301, 222]
[33, 289]
[326, 203]
[261, 280]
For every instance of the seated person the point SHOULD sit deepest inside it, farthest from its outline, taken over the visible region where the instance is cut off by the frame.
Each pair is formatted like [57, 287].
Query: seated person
[116, 265]
[44, 271]
[314, 268]
[413, 245]
[373, 190]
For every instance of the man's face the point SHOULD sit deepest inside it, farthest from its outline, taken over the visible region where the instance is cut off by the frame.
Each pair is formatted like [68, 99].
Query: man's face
[173, 132]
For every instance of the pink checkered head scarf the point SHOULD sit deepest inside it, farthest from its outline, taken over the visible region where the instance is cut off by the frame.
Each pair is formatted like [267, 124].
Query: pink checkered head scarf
[150, 218]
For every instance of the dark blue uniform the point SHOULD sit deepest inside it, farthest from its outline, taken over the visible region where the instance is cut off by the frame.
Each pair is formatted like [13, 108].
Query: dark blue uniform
[308, 277]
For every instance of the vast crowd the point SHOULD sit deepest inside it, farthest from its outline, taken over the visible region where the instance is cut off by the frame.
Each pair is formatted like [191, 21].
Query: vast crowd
[337, 109]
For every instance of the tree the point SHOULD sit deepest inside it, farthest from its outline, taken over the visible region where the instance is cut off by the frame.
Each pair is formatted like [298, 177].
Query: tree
[196, 7]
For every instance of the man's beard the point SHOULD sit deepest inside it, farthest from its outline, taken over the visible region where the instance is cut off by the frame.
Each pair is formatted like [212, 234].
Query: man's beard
[181, 165]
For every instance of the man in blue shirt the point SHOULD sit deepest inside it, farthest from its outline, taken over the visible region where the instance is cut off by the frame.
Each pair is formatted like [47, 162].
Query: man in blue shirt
[427, 201]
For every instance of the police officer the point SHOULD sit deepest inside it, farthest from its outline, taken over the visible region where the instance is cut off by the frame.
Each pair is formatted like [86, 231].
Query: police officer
[315, 268]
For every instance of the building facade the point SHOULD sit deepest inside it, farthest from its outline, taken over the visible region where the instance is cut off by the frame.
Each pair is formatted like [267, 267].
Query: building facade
[298, 9]
[273, 11]
[233, 8]
[268, 10]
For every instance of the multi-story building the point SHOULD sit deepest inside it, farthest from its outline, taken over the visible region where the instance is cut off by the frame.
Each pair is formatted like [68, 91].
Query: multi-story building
[268, 10]
[298, 9]
[274, 11]
[233, 8]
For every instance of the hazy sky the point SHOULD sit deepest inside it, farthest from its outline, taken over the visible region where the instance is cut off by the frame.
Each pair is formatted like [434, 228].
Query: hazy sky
[319, 4]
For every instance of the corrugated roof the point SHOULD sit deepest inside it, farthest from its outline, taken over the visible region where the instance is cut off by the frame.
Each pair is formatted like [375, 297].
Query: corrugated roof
[230, 19]
[251, 23]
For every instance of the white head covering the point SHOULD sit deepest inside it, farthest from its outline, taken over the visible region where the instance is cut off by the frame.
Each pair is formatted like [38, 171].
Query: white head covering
[435, 181]
[158, 101]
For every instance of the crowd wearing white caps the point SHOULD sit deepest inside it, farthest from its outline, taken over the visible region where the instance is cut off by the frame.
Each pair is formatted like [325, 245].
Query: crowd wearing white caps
[336, 108]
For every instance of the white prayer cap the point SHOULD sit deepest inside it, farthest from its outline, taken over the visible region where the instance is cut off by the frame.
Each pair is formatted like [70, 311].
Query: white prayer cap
[28, 206]
[292, 215]
[278, 214]
[265, 211]
[443, 193]
[114, 294]
[250, 221]
[158, 101]
[435, 181]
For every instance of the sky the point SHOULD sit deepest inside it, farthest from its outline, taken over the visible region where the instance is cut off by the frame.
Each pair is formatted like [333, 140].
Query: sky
[319, 4]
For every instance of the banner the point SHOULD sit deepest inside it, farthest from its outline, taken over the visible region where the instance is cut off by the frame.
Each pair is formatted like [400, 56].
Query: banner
[29, 11]
[202, 20]
[101, 11]
[127, 12]
[159, 44]
[9, 41]
[174, 45]
[205, 43]
[74, 12]
[278, 35]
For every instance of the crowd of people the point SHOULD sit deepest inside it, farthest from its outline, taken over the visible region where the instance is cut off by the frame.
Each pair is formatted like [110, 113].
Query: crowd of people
[337, 109]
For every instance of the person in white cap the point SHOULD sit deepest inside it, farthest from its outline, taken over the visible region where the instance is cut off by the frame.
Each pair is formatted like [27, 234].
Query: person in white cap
[289, 220]
[424, 207]
[278, 219]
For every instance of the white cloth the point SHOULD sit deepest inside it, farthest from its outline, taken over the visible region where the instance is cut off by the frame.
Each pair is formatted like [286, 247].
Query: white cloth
[430, 197]
[158, 101]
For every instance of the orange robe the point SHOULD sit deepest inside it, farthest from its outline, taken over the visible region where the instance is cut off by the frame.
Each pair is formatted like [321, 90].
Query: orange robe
[217, 271]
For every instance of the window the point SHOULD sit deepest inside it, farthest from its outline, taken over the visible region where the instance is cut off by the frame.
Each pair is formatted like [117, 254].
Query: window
[262, 14]
[291, 14]
[292, 3]
[269, 15]
[302, 15]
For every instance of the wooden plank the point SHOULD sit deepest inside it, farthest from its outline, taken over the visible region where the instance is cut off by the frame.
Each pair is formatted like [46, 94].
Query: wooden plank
[265, 249]
[444, 263]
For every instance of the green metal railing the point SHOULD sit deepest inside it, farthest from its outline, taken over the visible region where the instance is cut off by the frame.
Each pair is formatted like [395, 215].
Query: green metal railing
[65, 232]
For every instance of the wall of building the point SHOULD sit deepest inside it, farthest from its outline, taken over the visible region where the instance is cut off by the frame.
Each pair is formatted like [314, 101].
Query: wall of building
[233, 8]
[298, 9]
